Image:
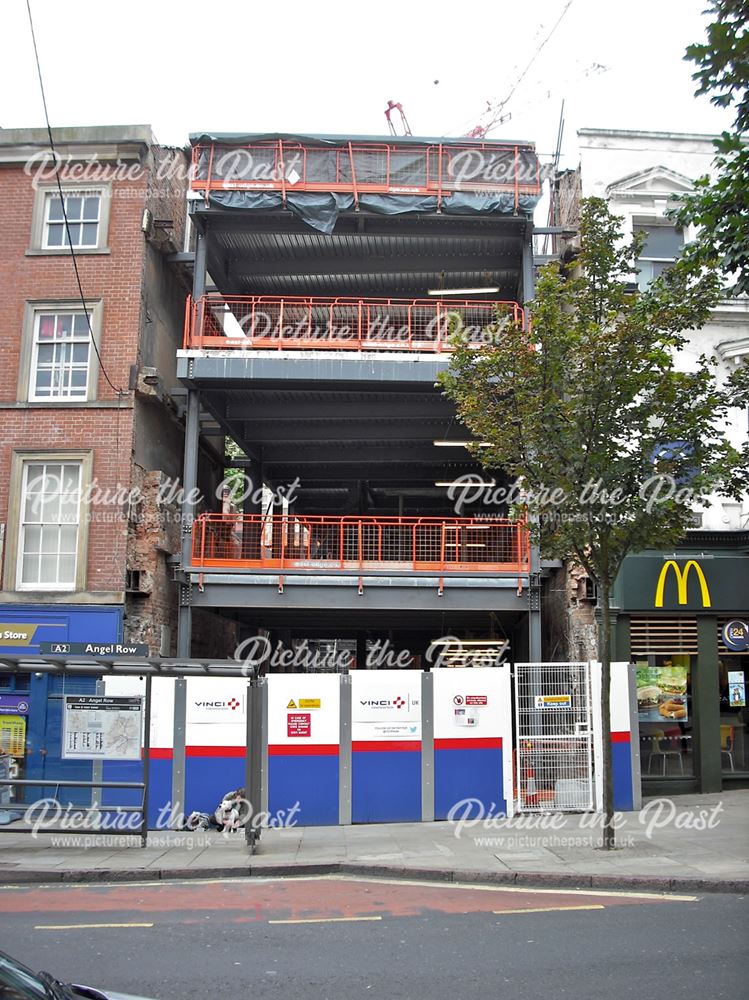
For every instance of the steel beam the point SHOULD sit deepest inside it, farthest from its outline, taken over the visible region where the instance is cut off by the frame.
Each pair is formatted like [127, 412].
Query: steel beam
[443, 227]
[422, 264]
[321, 369]
[279, 409]
[354, 429]
[397, 596]
[400, 474]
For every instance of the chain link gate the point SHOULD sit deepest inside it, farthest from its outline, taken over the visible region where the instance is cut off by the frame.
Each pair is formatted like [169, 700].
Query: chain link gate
[553, 737]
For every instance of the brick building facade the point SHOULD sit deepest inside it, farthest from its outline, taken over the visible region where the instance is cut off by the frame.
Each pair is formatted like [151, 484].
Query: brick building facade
[82, 427]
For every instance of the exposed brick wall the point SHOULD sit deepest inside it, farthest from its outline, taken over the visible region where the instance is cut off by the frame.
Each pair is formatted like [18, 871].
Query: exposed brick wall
[153, 536]
[570, 629]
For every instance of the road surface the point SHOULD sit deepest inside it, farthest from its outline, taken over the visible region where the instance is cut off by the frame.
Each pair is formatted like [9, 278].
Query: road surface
[337, 937]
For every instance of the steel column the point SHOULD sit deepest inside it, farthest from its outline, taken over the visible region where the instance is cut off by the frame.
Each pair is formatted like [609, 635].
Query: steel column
[146, 762]
[427, 747]
[178, 750]
[189, 487]
[199, 271]
[344, 753]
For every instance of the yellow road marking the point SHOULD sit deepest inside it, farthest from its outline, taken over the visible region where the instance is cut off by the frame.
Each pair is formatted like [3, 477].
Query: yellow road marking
[323, 920]
[81, 927]
[552, 909]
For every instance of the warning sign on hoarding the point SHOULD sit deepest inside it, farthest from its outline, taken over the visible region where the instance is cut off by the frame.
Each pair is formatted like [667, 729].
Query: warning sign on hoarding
[476, 699]
[98, 728]
[299, 724]
[553, 701]
[303, 709]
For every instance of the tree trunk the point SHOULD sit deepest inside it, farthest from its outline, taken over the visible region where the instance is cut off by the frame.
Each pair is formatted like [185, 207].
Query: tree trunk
[609, 833]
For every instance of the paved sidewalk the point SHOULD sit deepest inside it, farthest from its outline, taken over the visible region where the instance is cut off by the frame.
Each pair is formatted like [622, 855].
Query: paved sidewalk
[667, 846]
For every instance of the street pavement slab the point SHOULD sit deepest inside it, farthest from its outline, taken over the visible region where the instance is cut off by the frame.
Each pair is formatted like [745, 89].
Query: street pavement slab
[699, 840]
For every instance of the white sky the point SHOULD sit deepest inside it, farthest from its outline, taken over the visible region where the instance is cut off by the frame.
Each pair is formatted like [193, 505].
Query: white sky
[299, 66]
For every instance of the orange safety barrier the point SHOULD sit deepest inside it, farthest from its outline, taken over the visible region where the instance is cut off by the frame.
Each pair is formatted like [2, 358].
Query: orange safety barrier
[217, 322]
[361, 167]
[321, 543]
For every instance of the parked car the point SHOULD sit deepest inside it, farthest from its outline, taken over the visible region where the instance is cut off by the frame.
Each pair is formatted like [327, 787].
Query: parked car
[19, 983]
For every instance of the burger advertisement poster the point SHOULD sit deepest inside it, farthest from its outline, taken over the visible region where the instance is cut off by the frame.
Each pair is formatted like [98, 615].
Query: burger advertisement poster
[662, 692]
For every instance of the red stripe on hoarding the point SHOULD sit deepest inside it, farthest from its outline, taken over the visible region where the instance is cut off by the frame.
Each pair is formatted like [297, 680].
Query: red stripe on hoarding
[469, 743]
[215, 751]
[302, 749]
[384, 745]
[620, 738]
[161, 753]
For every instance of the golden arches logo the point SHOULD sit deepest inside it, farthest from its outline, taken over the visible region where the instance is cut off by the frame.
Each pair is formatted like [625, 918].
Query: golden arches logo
[682, 580]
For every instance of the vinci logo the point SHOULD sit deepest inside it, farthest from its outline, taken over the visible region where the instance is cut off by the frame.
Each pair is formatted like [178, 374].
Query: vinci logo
[233, 704]
[682, 582]
[397, 702]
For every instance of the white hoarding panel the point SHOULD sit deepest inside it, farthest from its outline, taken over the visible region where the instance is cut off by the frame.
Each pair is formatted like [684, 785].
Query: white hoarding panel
[216, 711]
[385, 705]
[469, 702]
[304, 709]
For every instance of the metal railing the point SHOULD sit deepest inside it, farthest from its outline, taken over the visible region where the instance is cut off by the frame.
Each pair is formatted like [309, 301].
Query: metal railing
[329, 544]
[218, 322]
[84, 817]
[360, 168]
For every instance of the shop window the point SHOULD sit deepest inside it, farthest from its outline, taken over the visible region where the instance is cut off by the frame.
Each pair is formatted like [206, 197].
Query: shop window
[664, 709]
[734, 720]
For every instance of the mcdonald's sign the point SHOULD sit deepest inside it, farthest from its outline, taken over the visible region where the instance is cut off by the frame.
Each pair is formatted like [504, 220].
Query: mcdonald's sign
[682, 582]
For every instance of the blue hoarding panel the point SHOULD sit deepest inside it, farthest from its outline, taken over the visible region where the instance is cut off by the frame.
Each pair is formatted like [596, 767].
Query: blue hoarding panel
[386, 786]
[208, 779]
[474, 773]
[621, 774]
[311, 781]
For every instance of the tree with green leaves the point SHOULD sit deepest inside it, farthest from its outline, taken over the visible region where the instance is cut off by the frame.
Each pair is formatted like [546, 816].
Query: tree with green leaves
[720, 207]
[589, 410]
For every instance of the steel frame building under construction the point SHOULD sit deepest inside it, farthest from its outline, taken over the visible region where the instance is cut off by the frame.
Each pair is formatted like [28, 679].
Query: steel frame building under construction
[328, 276]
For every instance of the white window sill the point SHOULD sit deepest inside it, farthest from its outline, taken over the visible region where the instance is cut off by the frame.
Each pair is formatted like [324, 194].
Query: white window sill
[65, 251]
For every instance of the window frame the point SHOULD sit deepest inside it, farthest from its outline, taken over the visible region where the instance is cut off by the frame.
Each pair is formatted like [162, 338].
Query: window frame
[44, 192]
[639, 222]
[20, 460]
[26, 368]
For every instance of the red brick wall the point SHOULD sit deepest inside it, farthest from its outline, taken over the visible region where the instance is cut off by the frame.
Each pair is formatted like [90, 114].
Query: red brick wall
[115, 278]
